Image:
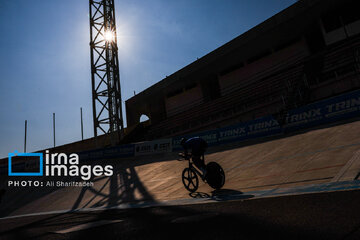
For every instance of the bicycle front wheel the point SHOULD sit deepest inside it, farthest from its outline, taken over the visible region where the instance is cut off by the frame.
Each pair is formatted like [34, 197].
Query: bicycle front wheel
[190, 179]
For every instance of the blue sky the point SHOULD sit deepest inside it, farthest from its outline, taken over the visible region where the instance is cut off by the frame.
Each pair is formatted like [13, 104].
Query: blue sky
[45, 56]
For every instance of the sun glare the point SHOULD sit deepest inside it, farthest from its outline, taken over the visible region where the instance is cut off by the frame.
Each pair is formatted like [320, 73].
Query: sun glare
[109, 36]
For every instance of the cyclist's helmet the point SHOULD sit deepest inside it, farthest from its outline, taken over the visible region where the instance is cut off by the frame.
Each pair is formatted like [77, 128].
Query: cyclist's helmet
[182, 141]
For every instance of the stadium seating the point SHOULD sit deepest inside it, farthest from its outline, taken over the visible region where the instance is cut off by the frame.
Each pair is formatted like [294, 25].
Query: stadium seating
[284, 84]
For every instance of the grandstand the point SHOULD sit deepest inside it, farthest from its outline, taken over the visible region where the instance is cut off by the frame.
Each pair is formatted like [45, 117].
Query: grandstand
[306, 53]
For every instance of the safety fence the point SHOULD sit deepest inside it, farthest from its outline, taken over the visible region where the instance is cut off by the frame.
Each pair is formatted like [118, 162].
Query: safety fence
[337, 108]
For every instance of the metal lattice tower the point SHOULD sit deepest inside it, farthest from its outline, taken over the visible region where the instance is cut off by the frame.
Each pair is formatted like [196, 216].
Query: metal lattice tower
[105, 77]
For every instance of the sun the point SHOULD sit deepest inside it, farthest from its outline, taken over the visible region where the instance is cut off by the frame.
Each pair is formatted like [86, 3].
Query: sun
[109, 36]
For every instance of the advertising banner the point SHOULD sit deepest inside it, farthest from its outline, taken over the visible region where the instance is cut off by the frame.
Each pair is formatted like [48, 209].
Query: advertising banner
[260, 127]
[153, 147]
[122, 151]
[211, 137]
[329, 110]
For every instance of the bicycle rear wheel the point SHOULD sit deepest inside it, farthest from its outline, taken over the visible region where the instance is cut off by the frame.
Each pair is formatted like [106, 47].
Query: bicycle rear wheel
[190, 179]
[215, 175]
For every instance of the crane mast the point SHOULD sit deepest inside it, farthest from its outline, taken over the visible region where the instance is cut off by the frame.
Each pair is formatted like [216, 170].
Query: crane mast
[105, 76]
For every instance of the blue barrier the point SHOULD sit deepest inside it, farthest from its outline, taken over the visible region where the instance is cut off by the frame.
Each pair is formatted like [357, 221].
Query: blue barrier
[330, 110]
[257, 128]
[122, 151]
[260, 127]
[17, 167]
[211, 137]
[4, 170]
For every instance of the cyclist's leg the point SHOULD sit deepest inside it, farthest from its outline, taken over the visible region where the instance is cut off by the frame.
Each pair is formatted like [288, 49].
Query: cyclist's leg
[202, 158]
[199, 163]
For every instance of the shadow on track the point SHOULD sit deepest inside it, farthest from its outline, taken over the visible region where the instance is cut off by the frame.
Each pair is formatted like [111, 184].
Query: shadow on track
[221, 195]
[122, 187]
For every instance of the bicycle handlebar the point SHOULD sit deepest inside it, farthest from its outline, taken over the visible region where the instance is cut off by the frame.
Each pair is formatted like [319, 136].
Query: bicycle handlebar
[184, 157]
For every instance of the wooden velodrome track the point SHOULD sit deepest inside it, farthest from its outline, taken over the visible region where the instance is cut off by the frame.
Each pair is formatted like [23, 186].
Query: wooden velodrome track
[317, 156]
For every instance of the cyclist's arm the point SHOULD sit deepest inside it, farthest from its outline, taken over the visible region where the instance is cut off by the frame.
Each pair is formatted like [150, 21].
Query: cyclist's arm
[187, 155]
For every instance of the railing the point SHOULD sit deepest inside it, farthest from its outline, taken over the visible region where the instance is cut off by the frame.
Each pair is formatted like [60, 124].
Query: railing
[264, 92]
[258, 91]
[289, 62]
[339, 61]
[175, 111]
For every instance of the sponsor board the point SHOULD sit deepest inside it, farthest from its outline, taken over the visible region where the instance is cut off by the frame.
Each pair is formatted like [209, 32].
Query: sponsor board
[260, 127]
[337, 108]
[123, 151]
[211, 137]
[153, 147]
[330, 110]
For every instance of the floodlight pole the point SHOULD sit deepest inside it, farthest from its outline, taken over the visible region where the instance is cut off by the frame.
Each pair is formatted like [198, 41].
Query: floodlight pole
[105, 76]
[54, 127]
[82, 128]
[25, 136]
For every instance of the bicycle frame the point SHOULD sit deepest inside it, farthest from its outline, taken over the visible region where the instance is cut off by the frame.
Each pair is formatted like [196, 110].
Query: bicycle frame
[190, 175]
[191, 166]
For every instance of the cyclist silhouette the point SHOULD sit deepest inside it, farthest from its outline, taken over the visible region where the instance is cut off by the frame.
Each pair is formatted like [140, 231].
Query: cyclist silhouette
[198, 147]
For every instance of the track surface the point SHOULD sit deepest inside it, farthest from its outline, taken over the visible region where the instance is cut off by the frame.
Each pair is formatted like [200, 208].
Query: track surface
[333, 215]
[312, 157]
[273, 167]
